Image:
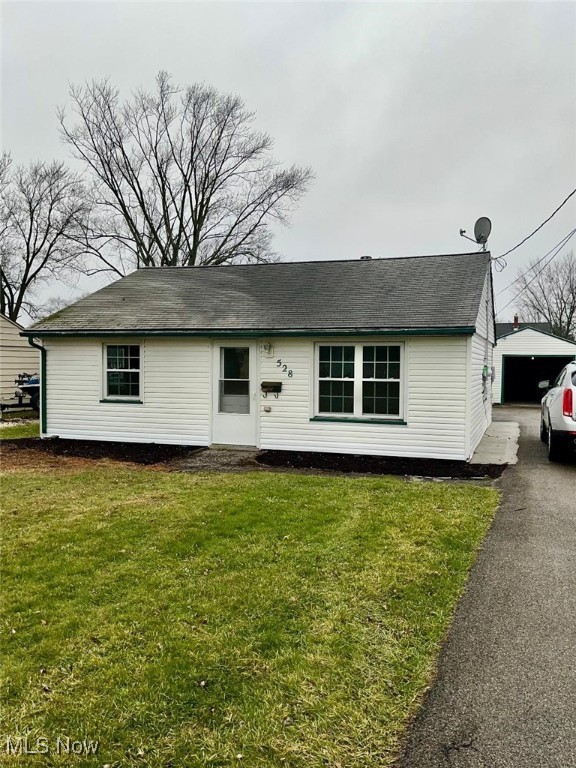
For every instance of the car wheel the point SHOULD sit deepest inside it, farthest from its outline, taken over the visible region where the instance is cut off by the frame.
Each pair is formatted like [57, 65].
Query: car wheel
[543, 430]
[554, 450]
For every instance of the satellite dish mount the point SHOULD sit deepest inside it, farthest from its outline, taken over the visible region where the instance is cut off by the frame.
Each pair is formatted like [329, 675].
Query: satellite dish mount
[482, 230]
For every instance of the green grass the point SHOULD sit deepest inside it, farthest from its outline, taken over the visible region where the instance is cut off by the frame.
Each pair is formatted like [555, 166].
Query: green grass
[25, 413]
[20, 430]
[260, 619]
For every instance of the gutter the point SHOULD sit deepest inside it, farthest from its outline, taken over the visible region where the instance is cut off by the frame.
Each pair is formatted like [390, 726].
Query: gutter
[42, 382]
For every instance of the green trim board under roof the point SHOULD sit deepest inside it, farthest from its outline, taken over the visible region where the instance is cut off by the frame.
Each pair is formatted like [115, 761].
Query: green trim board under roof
[458, 331]
[423, 294]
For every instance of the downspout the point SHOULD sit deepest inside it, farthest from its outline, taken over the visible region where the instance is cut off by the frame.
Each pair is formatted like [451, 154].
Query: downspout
[42, 383]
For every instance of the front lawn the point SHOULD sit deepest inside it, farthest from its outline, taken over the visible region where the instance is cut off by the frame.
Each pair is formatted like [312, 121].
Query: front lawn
[261, 619]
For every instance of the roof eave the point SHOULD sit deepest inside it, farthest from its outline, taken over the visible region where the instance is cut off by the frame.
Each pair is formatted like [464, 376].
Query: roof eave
[516, 331]
[465, 330]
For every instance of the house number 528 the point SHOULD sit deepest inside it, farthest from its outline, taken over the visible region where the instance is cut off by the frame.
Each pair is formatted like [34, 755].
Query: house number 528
[284, 367]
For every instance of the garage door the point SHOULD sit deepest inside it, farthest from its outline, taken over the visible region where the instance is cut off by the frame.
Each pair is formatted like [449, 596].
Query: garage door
[522, 374]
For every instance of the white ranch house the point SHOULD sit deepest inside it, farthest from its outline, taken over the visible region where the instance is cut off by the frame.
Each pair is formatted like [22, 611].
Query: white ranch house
[525, 355]
[382, 357]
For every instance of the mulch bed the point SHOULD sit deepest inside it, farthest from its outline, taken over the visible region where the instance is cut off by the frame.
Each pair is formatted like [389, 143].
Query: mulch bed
[149, 454]
[137, 453]
[377, 465]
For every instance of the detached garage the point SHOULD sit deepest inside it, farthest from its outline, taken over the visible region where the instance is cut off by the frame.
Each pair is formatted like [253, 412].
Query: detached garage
[525, 355]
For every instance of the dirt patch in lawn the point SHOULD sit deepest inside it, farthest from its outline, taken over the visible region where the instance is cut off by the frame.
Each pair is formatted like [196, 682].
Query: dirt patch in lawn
[57, 451]
[40, 461]
[378, 465]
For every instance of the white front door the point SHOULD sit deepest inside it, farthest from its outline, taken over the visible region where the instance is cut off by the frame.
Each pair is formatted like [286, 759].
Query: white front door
[234, 397]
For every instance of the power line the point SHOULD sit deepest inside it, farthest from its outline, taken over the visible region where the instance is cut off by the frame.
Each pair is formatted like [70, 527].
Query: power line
[561, 244]
[562, 204]
[550, 260]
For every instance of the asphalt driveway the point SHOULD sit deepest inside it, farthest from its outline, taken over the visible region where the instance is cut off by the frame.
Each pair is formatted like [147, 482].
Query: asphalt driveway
[505, 693]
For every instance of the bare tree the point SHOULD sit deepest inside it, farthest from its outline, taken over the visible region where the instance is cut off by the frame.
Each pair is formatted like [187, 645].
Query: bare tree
[5, 164]
[43, 210]
[549, 295]
[181, 177]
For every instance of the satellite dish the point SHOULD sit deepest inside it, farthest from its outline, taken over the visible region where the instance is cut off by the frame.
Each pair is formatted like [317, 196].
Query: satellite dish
[482, 229]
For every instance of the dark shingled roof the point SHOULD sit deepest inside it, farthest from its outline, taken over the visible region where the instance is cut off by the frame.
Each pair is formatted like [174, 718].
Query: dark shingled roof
[503, 329]
[423, 292]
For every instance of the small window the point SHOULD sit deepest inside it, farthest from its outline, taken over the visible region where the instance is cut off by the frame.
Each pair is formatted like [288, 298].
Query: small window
[336, 374]
[123, 371]
[234, 389]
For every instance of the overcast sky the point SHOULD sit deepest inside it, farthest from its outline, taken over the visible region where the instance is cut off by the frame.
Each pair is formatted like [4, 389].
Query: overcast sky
[415, 117]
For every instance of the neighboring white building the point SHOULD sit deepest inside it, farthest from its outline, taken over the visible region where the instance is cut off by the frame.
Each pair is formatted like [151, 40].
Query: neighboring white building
[382, 357]
[16, 356]
[524, 356]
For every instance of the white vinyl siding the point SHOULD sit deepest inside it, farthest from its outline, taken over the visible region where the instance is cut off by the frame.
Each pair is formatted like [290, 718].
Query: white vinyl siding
[527, 342]
[485, 319]
[441, 383]
[434, 388]
[481, 350]
[16, 356]
[175, 390]
[480, 389]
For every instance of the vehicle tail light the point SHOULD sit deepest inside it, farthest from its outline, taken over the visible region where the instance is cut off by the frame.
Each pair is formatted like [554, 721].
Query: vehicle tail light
[567, 402]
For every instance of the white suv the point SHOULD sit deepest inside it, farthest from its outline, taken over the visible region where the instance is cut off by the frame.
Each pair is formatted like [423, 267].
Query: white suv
[558, 420]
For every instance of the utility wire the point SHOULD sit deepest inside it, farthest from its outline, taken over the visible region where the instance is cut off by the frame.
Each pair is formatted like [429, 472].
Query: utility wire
[557, 250]
[563, 203]
[550, 260]
[561, 244]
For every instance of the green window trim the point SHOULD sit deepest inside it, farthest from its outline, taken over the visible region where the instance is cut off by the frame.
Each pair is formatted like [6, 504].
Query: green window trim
[357, 420]
[126, 401]
[122, 372]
